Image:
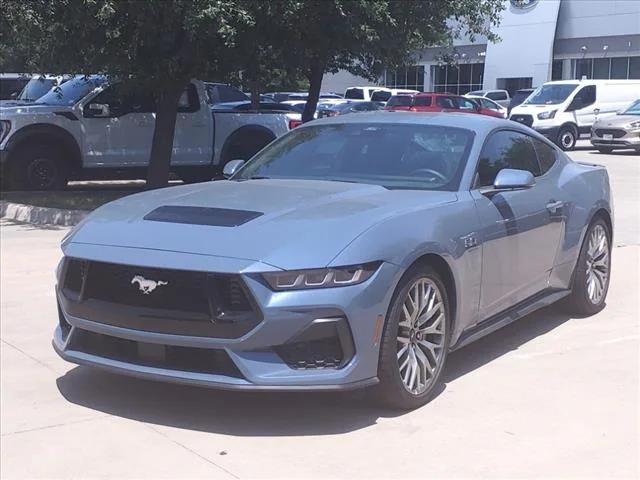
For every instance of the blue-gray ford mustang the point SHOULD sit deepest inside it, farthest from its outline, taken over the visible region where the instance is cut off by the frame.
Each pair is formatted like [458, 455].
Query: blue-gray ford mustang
[352, 252]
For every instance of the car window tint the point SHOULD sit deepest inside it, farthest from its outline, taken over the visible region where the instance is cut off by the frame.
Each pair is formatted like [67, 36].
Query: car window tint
[189, 101]
[445, 102]
[422, 101]
[465, 104]
[546, 155]
[585, 97]
[354, 93]
[506, 149]
[497, 95]
[124, 99]
[227, 93]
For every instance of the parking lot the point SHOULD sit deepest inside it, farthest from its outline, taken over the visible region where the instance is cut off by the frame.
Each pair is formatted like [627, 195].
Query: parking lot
[549, 396]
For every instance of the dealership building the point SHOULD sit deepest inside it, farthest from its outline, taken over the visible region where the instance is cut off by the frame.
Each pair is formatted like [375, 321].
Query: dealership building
[540, 40]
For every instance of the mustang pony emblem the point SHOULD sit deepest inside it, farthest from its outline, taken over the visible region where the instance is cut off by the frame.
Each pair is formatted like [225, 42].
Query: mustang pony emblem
[147, 286]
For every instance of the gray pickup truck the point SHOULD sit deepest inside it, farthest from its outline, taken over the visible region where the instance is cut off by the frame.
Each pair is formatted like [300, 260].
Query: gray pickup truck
[89, 128]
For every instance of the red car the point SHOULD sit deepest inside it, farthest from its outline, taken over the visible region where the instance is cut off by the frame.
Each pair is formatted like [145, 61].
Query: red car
[438, 102]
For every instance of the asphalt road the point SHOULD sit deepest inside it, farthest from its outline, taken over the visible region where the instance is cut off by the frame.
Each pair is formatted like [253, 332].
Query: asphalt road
[549, 396]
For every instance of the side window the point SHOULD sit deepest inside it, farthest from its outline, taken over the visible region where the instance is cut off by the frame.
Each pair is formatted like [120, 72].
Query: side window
[465, 104]
[585, 97]
[189, 101]
[354, 93]
[123, 99]
[228, 93]
[497, 95]
[546, 155]
[505, 149]
[422, 101]
[445, 102]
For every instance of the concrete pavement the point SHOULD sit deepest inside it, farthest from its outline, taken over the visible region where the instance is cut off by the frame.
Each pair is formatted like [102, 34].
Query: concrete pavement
[549, 396]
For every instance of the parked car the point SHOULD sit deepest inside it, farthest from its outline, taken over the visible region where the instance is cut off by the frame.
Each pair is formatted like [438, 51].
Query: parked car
[333, 110]
[89, 128]
[11, 84]
[518, 97]
[355, 251]
[363, 93]
[34, 89]
[439, 102]
[223, 93]
[284, 96]
[619, 131]
[499, 96]
[244, 106]
[488, 107]
[564, 110]
[382, 96]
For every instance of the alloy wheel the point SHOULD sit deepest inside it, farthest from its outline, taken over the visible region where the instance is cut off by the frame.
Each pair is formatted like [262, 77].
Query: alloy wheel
[421, 335]
[41, 173]
[597, 264]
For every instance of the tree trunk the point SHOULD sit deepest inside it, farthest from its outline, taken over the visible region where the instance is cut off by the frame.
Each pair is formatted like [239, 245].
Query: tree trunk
[315, 82]
[255, 96]
[163, 133]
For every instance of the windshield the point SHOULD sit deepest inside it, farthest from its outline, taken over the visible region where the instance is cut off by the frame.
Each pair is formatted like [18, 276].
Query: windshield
[551, 94]
[35, 88]
[634, 109]
[72, 91]
[395, 156]
[400, 101]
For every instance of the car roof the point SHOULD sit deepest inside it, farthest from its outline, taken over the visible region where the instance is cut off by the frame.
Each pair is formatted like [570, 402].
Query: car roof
[479, 123]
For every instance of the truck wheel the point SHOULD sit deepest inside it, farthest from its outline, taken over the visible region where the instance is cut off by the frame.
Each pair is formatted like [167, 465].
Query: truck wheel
[39, 167]
[567, 138]
[195, 175]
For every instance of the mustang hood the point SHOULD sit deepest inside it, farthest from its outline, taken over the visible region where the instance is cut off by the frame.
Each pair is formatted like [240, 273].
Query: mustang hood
[289, 224]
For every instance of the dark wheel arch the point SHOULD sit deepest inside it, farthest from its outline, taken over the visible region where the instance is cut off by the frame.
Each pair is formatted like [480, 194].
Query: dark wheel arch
[49, 134]
[245, 142]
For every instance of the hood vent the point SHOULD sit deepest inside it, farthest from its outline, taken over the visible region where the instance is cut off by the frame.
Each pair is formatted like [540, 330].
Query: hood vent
[214, 217]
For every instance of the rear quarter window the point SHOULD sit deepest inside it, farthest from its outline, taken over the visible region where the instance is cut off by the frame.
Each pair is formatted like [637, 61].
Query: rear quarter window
[546, 155]
[422, 101]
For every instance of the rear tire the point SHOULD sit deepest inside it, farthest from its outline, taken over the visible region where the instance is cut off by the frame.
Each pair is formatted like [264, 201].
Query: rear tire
[567, 137]
[38, 167]
[414, 345]
[593, 271]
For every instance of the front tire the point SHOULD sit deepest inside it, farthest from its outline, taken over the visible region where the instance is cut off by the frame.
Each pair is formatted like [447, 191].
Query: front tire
[415, 341]
[593, 271]
[39, 167]
[567, 137]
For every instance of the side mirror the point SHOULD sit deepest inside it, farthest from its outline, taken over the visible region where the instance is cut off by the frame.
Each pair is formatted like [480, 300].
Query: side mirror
[512, 179]
[596, 111]
[99, 110]
[232, 167]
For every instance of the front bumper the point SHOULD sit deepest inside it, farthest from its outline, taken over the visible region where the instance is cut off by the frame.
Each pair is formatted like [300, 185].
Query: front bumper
[254, 361]
[630, 139]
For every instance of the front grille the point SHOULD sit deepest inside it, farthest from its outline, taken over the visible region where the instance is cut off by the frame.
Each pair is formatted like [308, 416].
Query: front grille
[524, 119]
[159, 300]
[616, 133]
[185, 359]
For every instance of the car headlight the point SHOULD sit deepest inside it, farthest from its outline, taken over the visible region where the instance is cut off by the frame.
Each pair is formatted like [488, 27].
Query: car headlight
[320, 277]
[547, 115]
[635, 124]
[5, 126]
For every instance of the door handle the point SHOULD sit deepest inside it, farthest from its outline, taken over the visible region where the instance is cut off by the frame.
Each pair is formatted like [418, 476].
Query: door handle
[554, 206]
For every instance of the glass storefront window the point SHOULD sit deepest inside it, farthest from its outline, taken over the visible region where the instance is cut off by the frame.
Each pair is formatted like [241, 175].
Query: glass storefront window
[457, 79]
[601, 68]
[619, 68]
[615, 68]
[410, 78]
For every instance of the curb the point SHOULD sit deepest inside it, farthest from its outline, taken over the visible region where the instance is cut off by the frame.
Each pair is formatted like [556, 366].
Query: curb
[40, 215]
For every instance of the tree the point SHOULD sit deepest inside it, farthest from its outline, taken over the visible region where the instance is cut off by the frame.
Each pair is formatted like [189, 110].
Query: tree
[159, 46]
[362, 36]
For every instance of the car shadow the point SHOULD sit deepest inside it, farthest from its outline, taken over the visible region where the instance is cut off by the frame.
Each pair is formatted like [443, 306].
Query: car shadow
[620, 153]
[274, 414]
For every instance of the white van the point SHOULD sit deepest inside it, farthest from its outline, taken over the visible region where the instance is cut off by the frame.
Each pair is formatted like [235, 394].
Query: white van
[564, 110]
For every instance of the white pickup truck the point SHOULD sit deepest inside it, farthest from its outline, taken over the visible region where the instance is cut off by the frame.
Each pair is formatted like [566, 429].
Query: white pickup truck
[89, 128]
